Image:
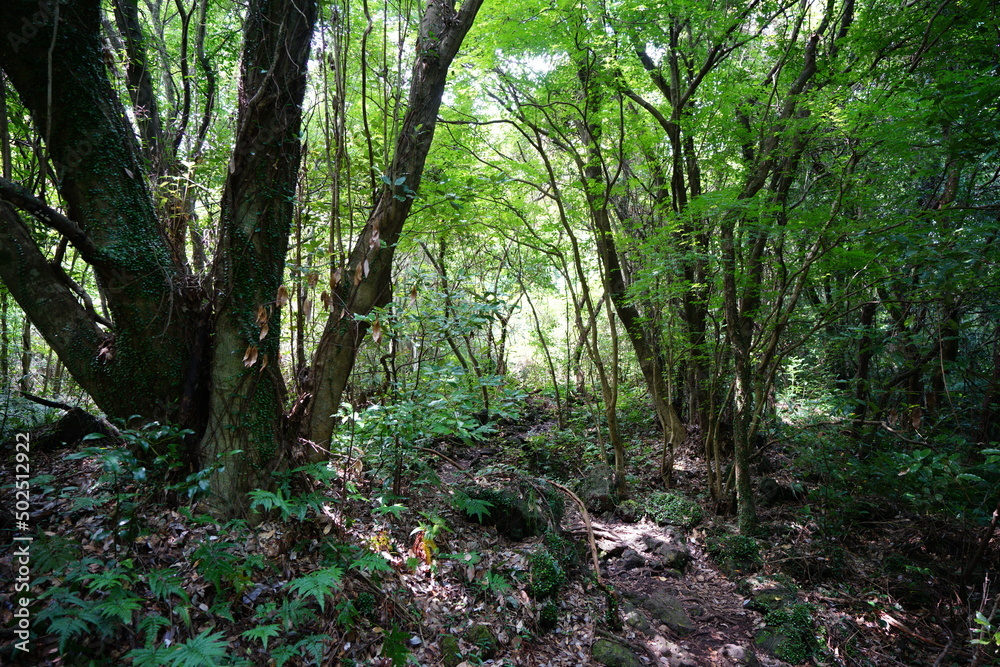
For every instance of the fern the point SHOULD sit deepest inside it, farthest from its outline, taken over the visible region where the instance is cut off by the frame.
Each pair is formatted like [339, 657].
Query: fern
[205, 650]
[164, 583]
[121, 605]
[263, 633]
[472, 506]
[318, 584]
[370, 562]
[149, 627]
[311, 646]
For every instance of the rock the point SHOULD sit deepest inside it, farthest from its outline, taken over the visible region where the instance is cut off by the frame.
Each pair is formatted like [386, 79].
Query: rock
[521, 509]
[597, 490]
[665, 609]
[451, 653]
[769, 599]
[632, 559]
[674, 654]
[672, 554]
[482, 637]
[774, 493]
[738, 656]
[613, 654]
[636, 618]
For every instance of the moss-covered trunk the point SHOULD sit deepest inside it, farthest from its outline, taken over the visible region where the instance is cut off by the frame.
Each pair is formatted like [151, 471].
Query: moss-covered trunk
[247, 393]
[136, 365]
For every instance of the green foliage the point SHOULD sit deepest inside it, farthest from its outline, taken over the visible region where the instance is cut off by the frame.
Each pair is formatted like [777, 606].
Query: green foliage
[476, 508]
[208, 649]
[547, 576]
[263, 633]
[738, 554]
[796, 623]
[319, 584]
[221, 564]
[669, 508]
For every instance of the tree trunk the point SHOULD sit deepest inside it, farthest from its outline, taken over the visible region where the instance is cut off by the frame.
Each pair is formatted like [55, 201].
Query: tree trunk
[247, 393]
[365, 282]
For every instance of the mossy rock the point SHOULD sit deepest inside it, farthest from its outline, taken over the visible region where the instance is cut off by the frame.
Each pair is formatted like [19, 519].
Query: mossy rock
[483, 639]
[521, 509]
[789, 634]
[451, 652]
[667, 508]
[737, 555]
[597, 490]
[771, 599]
[613, 654]
[665, 609]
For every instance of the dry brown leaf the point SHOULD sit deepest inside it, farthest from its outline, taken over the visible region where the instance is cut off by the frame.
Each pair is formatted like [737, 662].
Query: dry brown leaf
[413, 297]
[261, 315]
[263, 330]
[366, 268]
[263, 362]
[250, 356]
[377, 331]
[307, 307]
[357, 274]
[327, 301]
[282, 297]
[337, 275]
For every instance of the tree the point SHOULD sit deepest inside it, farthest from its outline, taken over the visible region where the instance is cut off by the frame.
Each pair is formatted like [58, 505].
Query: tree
[197, 349]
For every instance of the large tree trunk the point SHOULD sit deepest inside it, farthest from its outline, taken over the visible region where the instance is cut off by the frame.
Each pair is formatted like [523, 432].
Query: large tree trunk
[247, 393]
[365, 283]
[167, 342]
[137, 366]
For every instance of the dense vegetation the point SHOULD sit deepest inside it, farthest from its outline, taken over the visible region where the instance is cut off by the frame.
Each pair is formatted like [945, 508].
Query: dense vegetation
[745, 254]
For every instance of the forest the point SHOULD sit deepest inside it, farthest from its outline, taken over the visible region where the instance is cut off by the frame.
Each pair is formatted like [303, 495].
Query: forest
[598, 332]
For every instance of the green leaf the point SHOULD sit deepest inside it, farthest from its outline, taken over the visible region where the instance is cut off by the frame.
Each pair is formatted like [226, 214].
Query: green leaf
[318, 584]
[263, 633]
[205, 650]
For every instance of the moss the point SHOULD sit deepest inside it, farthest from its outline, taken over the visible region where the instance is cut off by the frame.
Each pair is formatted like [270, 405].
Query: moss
[736, 554]
[666, 508]
[547, 577]
[794, 625]
[548, 617]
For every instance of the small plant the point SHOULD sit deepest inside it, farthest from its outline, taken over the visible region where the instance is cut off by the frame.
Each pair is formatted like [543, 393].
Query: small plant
[548, 617]
[547, 577]
[667, 508]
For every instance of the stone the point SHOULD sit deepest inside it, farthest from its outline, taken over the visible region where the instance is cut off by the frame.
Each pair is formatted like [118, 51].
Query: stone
[631, 559]
[739, 656]
[665, 609]
[672, 553]
[482, 637]
[672, 652]
[613, 654]
[597, 490]
[451, 653]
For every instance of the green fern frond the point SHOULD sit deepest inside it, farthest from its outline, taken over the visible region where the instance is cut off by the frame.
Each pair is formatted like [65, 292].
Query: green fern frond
[164, 583]
[205, 650]
[318, 584]
[263, 633]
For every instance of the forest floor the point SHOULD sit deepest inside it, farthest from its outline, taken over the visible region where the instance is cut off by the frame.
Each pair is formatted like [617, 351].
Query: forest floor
[415, 575]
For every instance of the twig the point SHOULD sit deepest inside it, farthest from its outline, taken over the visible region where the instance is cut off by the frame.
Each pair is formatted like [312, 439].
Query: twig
[889, 620]
[590, 531]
